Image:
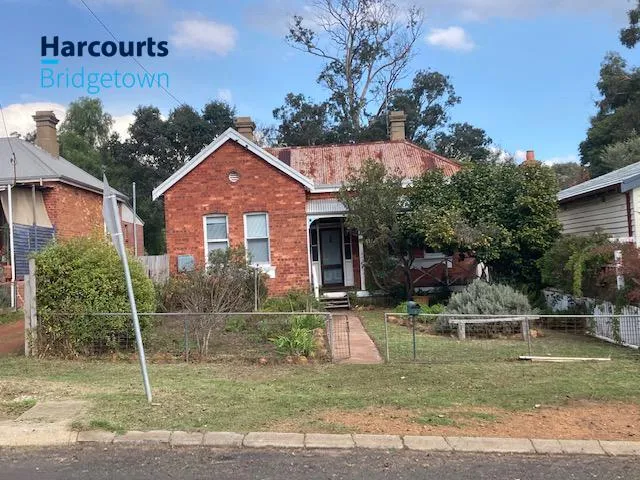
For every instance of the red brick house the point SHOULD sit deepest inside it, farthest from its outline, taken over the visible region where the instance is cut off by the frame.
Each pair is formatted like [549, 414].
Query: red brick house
[280, 203]
[43, 196]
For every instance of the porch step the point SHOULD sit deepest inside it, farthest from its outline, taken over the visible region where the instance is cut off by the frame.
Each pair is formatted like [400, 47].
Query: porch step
[335, 300]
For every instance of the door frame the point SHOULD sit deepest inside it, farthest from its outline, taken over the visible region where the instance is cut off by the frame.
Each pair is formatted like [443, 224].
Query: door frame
[340, 232]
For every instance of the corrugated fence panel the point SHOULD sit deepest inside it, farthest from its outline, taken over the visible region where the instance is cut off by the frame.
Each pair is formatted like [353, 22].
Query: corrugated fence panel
[28, 239]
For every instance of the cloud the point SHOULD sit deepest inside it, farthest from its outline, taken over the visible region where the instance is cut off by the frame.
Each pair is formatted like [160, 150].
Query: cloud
[204, 35]
[450, 38]
[225, 95]
[121, 125]
[18, 116]
[141, 6]
[478, 10]
[561, 159]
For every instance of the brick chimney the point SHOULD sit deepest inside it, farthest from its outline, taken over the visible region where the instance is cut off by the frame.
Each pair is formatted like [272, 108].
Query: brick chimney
[245, 127]
[46, 133]
[396, 125]
[530, 158]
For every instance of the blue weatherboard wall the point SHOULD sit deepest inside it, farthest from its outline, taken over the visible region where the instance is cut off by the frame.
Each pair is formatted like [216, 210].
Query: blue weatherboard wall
[28, 239]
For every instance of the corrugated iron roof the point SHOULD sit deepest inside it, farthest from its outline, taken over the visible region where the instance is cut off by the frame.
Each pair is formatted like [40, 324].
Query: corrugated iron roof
[34, 164]
[623, 176]
[325, 206]
[331, 164]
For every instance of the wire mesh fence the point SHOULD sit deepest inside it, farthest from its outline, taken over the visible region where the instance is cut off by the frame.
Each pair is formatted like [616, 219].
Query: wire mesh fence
[8, 295]
[191, 337]
[442, 338]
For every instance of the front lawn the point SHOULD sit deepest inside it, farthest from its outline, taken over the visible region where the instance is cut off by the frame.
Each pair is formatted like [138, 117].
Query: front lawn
[251, 397]
[564, 340]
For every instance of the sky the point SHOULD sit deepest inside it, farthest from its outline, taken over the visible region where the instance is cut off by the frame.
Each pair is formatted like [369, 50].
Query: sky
[526, 69]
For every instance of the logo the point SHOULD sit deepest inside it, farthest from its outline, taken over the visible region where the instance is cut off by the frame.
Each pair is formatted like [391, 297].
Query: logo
[54, 75]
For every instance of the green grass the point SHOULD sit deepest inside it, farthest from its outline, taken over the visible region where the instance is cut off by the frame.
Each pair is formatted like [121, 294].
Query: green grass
[447, 348]
[242, 398]
[462, 377]
[14, 408]
[11, 317]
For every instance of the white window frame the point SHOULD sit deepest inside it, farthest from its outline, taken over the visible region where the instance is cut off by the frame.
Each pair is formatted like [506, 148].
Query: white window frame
[268, 237]
[213, 240]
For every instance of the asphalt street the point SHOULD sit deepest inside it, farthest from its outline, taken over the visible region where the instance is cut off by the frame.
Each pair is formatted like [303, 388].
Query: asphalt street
[158, 463]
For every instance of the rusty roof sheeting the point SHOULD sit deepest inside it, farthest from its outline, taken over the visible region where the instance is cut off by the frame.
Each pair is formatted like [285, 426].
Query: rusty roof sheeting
[331, 164]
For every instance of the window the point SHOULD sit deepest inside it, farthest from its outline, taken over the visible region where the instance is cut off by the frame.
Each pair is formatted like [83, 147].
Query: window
[216, 233]
[314, 244]
[347, 244]
[256, 229]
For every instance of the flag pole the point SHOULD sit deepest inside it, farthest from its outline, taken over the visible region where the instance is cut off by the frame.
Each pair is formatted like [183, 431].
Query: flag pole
[112, 220]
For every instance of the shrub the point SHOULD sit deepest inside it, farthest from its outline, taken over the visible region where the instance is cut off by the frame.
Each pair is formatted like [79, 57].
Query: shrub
[292, 301]
[426, 309]
[310, 322]
[226, 285]
[574, 264]
[481, 297]
[81, 276]
[299, 341]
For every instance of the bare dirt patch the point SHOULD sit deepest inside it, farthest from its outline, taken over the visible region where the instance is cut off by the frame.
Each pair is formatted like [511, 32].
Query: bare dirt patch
[579, 420]
[12, 338]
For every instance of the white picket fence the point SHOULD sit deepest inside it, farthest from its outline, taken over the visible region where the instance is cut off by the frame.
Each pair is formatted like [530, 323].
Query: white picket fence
[156, 266]
[620, 327]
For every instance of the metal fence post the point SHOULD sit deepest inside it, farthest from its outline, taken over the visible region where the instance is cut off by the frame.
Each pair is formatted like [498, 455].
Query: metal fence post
[186, 339]
[413, 328]
[386, 336]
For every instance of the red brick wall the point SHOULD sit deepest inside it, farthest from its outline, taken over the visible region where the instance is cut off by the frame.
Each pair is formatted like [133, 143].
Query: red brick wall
[127, 233]
[73, 211]
[261, 188]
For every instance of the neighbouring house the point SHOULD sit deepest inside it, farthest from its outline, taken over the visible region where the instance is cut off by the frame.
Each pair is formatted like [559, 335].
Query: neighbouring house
[280, 203]
[609, 203]
[43, 196]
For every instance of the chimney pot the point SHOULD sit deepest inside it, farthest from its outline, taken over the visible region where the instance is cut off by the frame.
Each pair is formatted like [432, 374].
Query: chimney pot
[396, 123]
[245, 127]
[46, 133]
[531, 156]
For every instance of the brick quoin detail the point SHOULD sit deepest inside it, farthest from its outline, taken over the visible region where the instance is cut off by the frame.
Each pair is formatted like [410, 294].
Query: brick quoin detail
[261, 188]
[73, 211]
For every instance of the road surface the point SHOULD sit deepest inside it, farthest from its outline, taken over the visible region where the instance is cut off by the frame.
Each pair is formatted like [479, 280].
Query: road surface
[158, 463]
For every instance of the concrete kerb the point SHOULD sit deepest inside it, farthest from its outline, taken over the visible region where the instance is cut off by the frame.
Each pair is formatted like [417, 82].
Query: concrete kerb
[14, 434]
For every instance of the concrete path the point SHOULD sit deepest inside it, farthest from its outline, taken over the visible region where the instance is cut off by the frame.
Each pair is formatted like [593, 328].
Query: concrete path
[362, 349]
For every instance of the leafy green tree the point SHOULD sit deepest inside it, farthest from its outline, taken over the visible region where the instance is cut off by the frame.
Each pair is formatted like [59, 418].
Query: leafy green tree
[569, 174]
[618, 116]
[87, 119]
[375, 202]
[302, 122]
[630, 35]
[365, 47]
[81, 153]
[621, 154]
[463, 141]
[515, 209]
[219, 116]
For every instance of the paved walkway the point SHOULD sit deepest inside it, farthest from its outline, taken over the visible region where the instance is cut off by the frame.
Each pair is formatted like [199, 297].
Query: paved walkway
[362, 349]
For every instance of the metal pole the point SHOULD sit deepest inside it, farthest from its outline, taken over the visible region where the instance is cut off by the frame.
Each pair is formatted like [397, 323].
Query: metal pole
[413, 325]
[186, 339]
[255, 289]
[132, 301]
[12, 247]
[135, 222]
[386, 336]
[528, 334]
